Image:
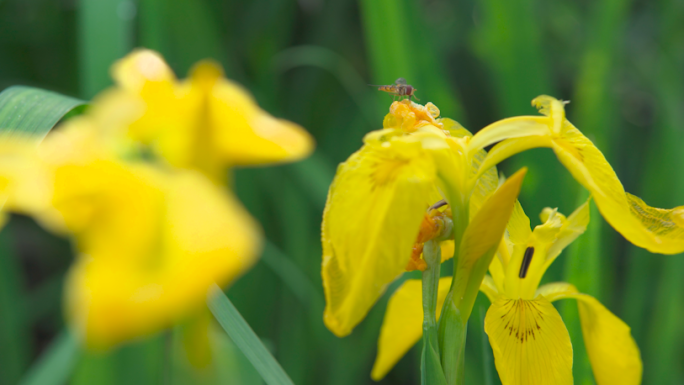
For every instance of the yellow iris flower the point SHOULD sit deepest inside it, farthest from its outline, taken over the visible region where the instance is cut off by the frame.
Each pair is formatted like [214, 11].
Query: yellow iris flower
[378, 199]
[150, 238]
[657, 230]
[530, 342]
[206, 122]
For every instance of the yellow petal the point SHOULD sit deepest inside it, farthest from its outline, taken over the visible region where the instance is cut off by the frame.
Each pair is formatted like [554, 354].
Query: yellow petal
[374, 209]
[530, 342]
[195, 336]
[657, 230]
[483, 236]
[402, 326]
[486, 229]
[139, 67]
[25, 183]
[497, 268]
[507, 148]
[519, 225]
[572, 227]
[533, 252]
[489, 288]
[128, 283]
[243, 133]
[613, 353]
[518, 127]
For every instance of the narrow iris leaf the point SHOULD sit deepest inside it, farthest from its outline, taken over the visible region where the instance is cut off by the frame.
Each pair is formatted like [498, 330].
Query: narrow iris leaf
[244, 338]
[33, 110]
[56, 364]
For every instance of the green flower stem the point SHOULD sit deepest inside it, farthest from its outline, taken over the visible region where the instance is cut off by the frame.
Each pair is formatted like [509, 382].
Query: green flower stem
[452, 323]
[431, 369]
[432, 255]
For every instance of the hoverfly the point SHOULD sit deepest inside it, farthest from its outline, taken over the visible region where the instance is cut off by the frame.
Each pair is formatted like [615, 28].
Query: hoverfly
[399, 88]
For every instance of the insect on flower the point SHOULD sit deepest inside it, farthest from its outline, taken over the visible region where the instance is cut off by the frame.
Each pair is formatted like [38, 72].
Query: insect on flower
[399, 88]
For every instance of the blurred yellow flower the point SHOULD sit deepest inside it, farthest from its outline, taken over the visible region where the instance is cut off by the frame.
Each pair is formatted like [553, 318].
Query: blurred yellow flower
[658, 230]
[151, 237]
[206, 122]
[150, 241]
[378, 200]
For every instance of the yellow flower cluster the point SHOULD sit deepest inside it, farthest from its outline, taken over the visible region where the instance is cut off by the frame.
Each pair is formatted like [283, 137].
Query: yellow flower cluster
[136, 183]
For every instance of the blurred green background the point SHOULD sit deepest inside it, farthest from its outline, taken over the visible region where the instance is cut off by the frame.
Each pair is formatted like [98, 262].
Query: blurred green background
[620, 62]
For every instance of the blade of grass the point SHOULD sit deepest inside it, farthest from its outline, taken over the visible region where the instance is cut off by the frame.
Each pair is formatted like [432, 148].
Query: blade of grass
[292, 276]
[55, 365]
[15, 333]
[583, 269]
[664, 347]
[595, 115]
[244, 338]
[105, 35]
[33, 110]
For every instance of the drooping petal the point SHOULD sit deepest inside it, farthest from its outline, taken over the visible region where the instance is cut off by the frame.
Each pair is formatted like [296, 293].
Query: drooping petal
[402, 326]
[613, 353]
[657, 230]
[374, 209]
[155, 278]
[530, 342]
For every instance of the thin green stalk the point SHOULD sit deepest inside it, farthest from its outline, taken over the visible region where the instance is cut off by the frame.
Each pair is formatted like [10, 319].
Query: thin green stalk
[452, 323]
[106, 34]
[583, 269]
[244, 338]
[431, 369]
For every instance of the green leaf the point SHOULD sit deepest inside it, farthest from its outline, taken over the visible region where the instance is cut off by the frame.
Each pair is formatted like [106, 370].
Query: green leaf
[244, 338]
[32, 110]
[56, 364]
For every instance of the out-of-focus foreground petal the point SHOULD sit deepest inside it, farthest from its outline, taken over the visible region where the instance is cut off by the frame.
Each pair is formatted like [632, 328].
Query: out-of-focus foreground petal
[150, 241]
[613, 353]
[193, 235]
[403, 323]
[374, 209]
[206, 122]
